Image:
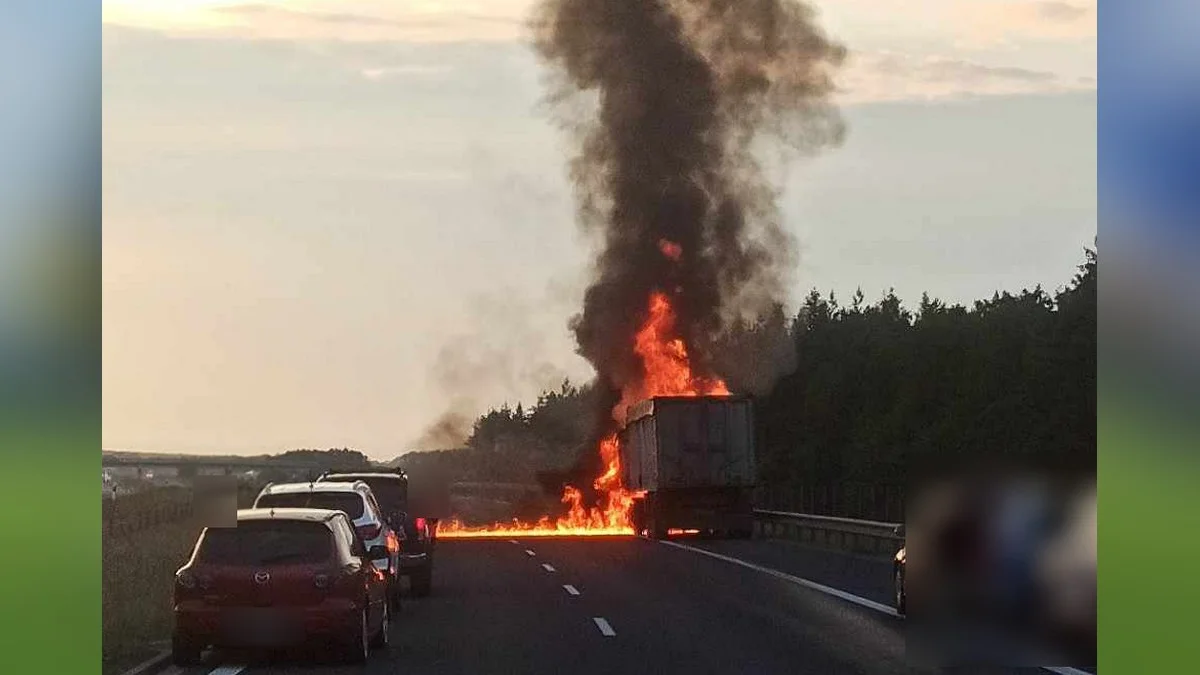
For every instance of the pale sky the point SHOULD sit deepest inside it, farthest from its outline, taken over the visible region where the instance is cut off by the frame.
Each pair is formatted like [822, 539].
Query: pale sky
[307, 205]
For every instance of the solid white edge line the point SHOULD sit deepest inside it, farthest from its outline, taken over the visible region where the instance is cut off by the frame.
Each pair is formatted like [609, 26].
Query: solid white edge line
[548, 567]
[849, 597]
[606, 629]
[529, 553]
[571, 590]
[227, 670]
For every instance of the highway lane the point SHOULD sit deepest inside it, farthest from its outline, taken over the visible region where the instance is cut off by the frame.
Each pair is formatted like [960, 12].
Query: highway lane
[616, 605]
[865, 576]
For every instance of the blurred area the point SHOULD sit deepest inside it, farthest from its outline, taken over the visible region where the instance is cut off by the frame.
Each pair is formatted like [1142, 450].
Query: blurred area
[50, 214]
[1149, 150]
[215, 501]
[1004, 568]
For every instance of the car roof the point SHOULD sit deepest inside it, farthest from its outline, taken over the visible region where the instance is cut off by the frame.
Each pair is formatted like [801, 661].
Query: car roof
[316, 486]
[357, 475]
[300, 514]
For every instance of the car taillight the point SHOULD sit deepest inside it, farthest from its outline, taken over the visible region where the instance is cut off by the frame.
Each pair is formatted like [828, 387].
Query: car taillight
[421, 524]
[370, 531]
[187, 586]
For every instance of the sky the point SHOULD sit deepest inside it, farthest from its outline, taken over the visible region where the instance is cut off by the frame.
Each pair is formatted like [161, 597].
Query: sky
[327, 222]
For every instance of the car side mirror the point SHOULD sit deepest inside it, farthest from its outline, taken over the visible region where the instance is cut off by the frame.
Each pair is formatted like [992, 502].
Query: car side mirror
[378, 553]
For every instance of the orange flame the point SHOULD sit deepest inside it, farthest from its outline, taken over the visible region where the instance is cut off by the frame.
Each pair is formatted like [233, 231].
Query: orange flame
[668, 372]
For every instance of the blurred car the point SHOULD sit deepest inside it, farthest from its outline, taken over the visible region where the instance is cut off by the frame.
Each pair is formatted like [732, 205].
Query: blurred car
[280, 578]
[358, 501]
[1067, 577]
[420, 533]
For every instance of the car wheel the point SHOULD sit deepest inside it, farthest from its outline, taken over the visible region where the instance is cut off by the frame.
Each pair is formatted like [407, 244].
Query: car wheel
[184, 652]
[898, 584]
[358, 649]
[422, 580]
[383, 637]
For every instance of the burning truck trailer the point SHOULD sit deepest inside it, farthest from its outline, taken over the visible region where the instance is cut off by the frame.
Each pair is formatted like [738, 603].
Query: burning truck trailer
[691, 460]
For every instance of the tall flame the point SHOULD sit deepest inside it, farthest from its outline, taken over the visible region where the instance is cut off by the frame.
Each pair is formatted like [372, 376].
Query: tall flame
[668, 372]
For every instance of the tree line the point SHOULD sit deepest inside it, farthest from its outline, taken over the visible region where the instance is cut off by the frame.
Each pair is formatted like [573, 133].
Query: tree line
[869, 393]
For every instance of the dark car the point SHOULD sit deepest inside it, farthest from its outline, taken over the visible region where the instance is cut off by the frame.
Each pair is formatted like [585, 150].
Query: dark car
[281, 578]
[420, 534]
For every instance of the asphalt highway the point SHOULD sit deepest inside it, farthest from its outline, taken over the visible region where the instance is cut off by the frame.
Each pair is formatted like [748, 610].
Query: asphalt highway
[628, 606]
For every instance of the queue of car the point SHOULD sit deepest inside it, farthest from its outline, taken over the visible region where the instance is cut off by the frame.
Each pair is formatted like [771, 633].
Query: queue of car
[309, 563]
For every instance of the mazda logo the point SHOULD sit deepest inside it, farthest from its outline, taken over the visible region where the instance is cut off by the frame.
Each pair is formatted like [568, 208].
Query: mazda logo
[262, 577]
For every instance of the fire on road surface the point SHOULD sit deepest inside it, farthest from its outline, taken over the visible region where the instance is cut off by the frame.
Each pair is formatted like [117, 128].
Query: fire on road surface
[668, 372]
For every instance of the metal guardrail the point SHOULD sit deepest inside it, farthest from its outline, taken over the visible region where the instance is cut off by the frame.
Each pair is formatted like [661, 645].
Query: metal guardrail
[847, 534]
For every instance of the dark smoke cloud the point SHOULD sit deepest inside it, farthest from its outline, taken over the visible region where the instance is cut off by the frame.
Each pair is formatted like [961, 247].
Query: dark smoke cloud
[450, 430]
[667, 99]
[502, 353]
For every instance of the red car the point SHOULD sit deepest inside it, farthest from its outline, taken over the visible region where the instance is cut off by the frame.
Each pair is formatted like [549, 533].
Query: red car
[281, 578]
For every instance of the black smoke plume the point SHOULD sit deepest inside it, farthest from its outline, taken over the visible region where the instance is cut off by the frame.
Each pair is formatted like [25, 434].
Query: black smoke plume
[667, 100]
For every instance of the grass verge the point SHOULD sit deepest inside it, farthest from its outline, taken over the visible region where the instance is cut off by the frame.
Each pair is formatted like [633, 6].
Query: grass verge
[138, 571]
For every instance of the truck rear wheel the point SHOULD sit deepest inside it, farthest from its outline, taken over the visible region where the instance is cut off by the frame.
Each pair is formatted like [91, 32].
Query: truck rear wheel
[656, 527]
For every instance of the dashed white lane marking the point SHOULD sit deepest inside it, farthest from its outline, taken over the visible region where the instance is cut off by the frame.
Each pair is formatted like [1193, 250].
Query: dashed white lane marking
[513, 541]
[529, 553]
[848, 597]
[548, 567]
[605, 629]
[227, 670]
[571, 590]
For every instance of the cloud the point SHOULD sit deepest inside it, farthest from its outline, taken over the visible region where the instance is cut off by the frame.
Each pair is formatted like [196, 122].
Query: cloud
[264, 21]
[410, 70]
[992, 23]
[891, 76]
[1062, 11]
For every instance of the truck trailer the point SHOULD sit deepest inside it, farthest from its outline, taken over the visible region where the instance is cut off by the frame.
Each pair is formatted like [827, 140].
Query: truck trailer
[693, 458]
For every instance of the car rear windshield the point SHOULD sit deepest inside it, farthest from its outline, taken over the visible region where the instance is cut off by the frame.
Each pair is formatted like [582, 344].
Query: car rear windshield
[349, 502]
[267, 542]
[391, 493]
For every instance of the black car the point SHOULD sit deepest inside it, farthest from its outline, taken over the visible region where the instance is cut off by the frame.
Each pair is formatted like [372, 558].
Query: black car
[417, 546]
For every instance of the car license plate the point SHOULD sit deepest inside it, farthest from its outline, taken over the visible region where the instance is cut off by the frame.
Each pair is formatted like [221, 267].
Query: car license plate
[260, 627]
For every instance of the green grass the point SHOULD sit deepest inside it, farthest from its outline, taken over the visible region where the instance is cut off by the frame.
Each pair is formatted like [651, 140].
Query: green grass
[1148, 522]
[137, 576]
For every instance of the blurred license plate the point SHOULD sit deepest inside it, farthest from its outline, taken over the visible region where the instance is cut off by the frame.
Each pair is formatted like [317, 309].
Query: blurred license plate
[260, 627]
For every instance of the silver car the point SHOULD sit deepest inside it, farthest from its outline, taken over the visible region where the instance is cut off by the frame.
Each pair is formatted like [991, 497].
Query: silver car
[358, 502]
